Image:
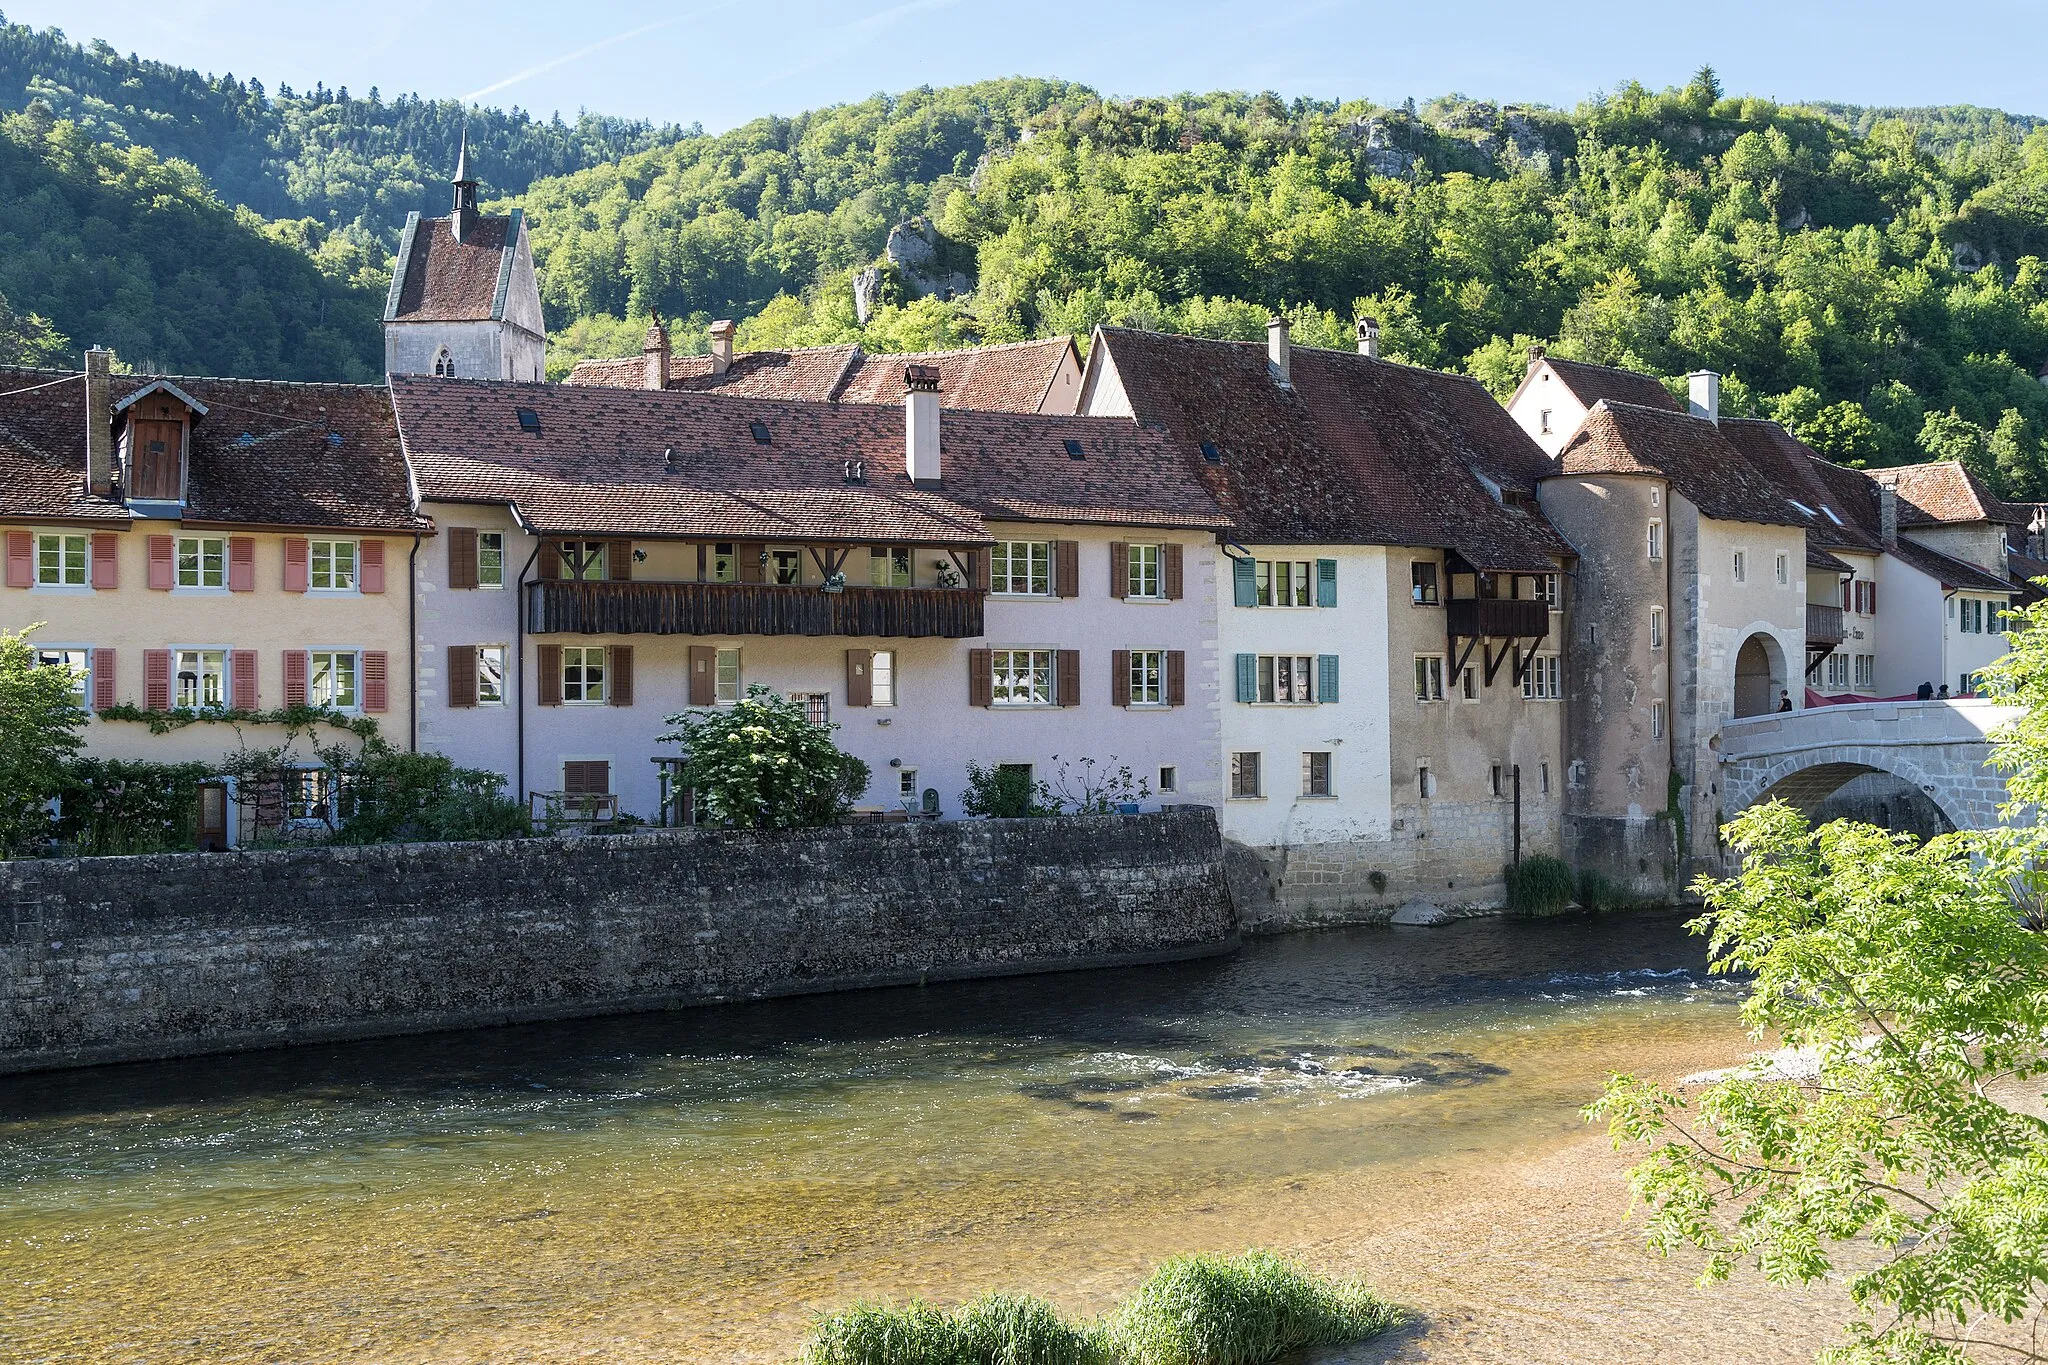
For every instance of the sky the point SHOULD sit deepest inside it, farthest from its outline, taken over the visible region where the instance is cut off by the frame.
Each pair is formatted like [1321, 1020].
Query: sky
[723, 62]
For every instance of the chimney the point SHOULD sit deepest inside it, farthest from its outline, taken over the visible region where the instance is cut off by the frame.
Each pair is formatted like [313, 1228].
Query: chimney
[1369, 338]
[655, 352]
[1536, 354]
[721, 345]
[1277, 351]
[921, 423]
[99, 424]
[1888, 511]
[1705, 398]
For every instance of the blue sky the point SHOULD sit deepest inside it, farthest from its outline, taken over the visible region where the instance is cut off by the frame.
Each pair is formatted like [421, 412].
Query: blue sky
[722, 62]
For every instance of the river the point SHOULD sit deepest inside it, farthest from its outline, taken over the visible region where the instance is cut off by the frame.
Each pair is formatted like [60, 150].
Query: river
[695, 1185]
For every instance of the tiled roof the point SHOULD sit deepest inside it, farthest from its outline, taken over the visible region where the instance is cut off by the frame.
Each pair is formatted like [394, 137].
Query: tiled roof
[1819, 558]
[1691, 452]
[1357, 451]
[1592, 383]
[599, 464]
[1837, 505]
[1949, 572]
[2026, 571]
[449, 281]
[265, 454]
[1943, 493]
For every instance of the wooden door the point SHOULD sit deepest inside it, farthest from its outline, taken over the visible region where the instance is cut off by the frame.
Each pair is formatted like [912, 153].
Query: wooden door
[213, 817]
[155, 460]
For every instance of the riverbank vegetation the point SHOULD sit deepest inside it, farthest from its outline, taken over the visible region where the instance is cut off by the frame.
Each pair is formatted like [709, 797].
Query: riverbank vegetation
[1194, 1310]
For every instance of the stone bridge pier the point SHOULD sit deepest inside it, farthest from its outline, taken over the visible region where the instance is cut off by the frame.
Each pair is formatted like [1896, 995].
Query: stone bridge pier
[1939, 747]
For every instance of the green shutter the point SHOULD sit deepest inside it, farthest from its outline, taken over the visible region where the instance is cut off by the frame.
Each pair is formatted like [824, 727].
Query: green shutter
[1244, 576]
[1326, 677]
[1247, 677]
[1326, 582]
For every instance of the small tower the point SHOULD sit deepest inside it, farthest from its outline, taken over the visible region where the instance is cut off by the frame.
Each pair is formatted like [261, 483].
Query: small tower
[462, 222]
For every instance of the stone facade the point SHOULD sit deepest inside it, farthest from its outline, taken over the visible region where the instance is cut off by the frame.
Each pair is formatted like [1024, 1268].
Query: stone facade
[113, 959]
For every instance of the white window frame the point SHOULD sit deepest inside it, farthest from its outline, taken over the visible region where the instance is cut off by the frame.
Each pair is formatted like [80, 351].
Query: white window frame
[1295, 675]
[484, 652]
[817, 707]
[728, 660]
[1656, 720]
[200, 654]
[1147, 678]
[1429, 678]
[1543, 421]
[1547, 591]
[882, 677]
[1235, 776]
[1293, 578]
[1740, 568]
[1866, 672]
[725, 562]
[339, 660]
[1784, 571]
[1429, 594]
[1004, 573]
[1018, 666]
[1656, 540]
[206, 552]
[61, 656]
[583, 685]
[1545, 680]
[1656, 627]
[907, 794]
[64, 542]
[891, 566]
[1329, 791]
[298, 809]
[1145, 573]
[487, 544]
[332, 548]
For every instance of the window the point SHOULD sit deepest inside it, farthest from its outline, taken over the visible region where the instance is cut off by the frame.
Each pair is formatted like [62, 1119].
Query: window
[1315, 774]
[1429, 677]
[1972, 616]
[1836, 671]
[906, 787]
[1285, 582]
[331, 681]
[1425, 781]
[1143, 580]
[817, 706]
[1021, 568]
[882, 678]
[490, 559]
[583, 674]
[726, 675]
[1169, 779]
[1741, 566]
[1286, 677]
[1023, 677]
[203, 561]
[1656, 540]
[202, 678]
[1546, 679]
[308, 795]
[1866, 672]
[889, 566]
[583, 561]
[1543, 418]
[1656, 627]
[1244, 776]
[1495, 783]
[444, 364]
[77, 660]
[1543, 778]
[60, 561]
[1148, 677]
[1422, 580]
[490, 675]
[1546, 590]
[334, 566]
[725, 565]
[1966, 685]
[1784, 572]
[1468, 683]
[787, 566]
[1656, 720]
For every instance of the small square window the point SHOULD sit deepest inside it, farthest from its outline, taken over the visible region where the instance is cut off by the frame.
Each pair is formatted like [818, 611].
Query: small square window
[906, 787]
[1423, 583]
[60, 561]
[1074, 451]
[760, 431]
[1315, 773]
[1244, 775]
[1544, 417]
[1169, 779]
[529, 420]
[1211, 453]
[202, 561]
[331, 680]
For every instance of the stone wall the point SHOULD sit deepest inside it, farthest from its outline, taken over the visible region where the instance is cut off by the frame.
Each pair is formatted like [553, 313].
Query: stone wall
[113, 959]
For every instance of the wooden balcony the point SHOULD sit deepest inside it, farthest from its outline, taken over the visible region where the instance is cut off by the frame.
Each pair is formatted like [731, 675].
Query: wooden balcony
[750, 609]
[1497, 618]
[1824, 627]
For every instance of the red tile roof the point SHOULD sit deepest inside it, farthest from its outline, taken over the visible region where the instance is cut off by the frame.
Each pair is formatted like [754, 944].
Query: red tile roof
[1838, 505]
[444, 280]
[1357, 451]
[264, 454]
[1946, 570]
[1689, 452]
[1944, 493]
[599, 464]
[1592, 383]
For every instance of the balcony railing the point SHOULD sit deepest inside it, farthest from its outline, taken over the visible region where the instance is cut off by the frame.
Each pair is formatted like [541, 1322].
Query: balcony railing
[1824, 625]
[1502, 618]
[750, 609]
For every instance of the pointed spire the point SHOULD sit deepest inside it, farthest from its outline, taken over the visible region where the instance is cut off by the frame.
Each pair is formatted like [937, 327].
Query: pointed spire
[462, 175]
[464, 217]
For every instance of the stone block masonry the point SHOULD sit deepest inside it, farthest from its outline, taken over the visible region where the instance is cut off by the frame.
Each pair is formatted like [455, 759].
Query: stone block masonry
[120, 959]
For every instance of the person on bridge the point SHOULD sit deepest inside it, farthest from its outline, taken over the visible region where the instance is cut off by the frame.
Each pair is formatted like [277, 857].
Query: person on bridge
[1926, 692]
[1784, 701]
[1942, 693]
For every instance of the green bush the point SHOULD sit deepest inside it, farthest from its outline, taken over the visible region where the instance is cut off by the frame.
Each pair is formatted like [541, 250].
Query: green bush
[113, 805]
[393, 796]
[762, 764]
[1596, 892]
[995, 1329]
[1001, 792]
[1539, 885]
[39, 725]
[1241, 1310]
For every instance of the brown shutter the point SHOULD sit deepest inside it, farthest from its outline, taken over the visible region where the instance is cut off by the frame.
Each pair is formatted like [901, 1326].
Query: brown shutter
[462, 674]
[295, 664]
[103, 693]
[978, 570]
[751, 568]
[370, 566]
[241, 564]
[163, 563]
[1119, 674]
[1066, 667]
[106, 560]
[156, 679]
[21, 560]
[242, 664]
[1169, 555]
[981, 681]
[1066, 568]
[550, 562]
[703, 561]
[619, 561]
[1871, 606]
[550, 675]
[619, 675]
[298, 555]
[462, 557]
[376, 680]
[703, 689]
[1176, 677]
[860, 684]
[586, 777]
[1119, 569]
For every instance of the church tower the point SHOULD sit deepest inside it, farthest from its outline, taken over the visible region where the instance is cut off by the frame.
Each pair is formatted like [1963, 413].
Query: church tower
[464, 300]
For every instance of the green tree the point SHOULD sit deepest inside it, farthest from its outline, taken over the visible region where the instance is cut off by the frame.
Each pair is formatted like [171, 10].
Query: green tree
[762, 764]
[39, 723]
[27, 339]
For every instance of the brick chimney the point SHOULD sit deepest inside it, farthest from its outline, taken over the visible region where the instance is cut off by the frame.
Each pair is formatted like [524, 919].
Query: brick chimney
[721, 345]
[1704, 395]
[921, 423]
[99, 424]
[656, 353]
[1369, 338]
[1888, 511]
[1277, 351]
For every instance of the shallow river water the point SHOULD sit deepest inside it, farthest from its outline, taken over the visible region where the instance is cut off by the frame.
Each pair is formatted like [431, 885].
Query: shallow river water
[696, 1185]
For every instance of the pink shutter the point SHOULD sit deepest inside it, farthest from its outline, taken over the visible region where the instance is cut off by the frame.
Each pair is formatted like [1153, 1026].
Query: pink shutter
[297, 564]
[21, 560]
[241, 564]
[103, 693]
[106, 561]
[295, 676]
[156, 679]
[243, 675]
[376, 680]
[371, 562]
[163, 563]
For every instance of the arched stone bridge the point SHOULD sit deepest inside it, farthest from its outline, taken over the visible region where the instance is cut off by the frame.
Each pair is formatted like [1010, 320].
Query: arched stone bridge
[1805, 756]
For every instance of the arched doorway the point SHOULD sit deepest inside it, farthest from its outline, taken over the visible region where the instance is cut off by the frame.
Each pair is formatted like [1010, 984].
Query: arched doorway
[1759, 675]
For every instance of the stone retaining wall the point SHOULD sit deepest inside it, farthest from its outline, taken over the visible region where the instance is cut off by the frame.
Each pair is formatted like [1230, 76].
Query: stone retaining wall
[115, 959]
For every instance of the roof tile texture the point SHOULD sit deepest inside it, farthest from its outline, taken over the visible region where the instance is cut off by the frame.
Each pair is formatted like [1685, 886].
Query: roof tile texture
[1591, 383]
[451, 281]
[1009, 378]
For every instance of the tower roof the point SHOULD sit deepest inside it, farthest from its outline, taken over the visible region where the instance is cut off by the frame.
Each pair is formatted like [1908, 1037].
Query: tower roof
[462, 174]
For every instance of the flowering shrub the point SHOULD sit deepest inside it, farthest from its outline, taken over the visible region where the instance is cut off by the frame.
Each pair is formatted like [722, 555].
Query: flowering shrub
[761, 763]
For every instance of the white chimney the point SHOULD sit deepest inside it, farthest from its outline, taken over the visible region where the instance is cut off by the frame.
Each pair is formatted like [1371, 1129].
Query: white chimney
[1705, 398]
[1277, 351]
[99, 424]
[721, 345]
[654, 351]
[921, 423]
[1369, 337]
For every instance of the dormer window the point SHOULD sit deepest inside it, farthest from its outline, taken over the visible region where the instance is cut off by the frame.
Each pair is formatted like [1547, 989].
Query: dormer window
[444, 364]
[156, 424]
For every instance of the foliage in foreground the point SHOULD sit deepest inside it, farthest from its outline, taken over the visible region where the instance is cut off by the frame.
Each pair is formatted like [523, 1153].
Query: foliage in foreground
[1914, 980]
[762, 764]
[1194, 1310]
[39, 724]
[1540, 885]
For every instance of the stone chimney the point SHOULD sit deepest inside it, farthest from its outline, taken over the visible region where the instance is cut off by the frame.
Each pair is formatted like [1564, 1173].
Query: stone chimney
[1536, 354]
[99, 424]
[921, 423]
[1888, 510]
[1369, 338]
[721, 345]
[655, 352]
[1704, 398]
[1277, 350]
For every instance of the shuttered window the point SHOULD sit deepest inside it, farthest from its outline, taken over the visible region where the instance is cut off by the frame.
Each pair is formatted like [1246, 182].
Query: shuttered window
[587, 777]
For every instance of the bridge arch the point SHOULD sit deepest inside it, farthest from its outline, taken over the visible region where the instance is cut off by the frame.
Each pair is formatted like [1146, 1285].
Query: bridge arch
[1806, 781]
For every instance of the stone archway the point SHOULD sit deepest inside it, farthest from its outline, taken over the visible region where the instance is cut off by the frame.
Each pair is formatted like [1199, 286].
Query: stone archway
[1806, 781]
[1760, 676]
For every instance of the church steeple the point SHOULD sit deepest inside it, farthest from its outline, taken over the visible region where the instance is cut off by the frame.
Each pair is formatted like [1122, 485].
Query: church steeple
[463, 221]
